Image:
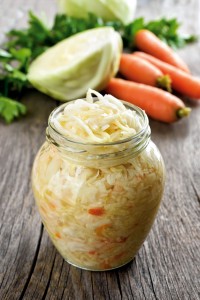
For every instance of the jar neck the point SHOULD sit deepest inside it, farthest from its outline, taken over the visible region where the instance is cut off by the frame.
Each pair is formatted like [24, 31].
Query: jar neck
[102, 154]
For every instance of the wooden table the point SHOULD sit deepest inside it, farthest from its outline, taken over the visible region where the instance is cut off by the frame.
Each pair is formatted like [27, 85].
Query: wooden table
[168, 264]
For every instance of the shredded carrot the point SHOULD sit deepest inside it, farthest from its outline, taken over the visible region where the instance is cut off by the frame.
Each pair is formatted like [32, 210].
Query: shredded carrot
[92, 252]
[57, 234]
[43, 209]
[122, 239]
[99, 230]
[105, 265]
[96, 211]
[51, 205]
[118, 256]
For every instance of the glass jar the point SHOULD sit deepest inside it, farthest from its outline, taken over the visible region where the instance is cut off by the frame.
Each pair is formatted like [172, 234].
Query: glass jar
[98, 201]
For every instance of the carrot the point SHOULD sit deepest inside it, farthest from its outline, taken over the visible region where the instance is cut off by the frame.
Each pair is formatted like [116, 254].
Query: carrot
[92, 252]
[57, 234]
[182, 82]
[104, 265]
[100, 229]
[148, 42]
[96, 211]
[51, 205]
[118, 256]
[139, 70]
[159, 105]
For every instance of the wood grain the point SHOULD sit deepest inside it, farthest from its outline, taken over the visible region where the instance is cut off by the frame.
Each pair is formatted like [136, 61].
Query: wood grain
[168, 264]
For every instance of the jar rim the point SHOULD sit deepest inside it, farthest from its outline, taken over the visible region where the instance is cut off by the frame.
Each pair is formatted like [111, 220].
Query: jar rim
[64, 138]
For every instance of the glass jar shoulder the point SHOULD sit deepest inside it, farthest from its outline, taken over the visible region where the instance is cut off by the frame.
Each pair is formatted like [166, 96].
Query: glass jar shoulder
[147, 173]
[46, 165]
[151, 159]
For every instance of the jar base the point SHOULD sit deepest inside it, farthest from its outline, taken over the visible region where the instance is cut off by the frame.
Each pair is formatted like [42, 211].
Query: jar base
[98, 270]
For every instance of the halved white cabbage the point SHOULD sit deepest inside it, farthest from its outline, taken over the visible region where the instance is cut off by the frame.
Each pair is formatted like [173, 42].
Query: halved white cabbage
[122, 10]
[85, 60]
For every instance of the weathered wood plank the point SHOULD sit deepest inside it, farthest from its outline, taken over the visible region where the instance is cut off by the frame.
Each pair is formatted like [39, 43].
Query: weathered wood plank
[20, 223]
[167, 266]
[21, 229]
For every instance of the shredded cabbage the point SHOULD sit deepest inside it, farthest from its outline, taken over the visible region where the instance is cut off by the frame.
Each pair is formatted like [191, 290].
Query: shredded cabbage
[101, 120]
[98, 217]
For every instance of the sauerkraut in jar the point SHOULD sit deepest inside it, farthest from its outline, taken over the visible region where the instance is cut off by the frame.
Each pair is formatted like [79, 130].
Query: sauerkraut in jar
[98, 181]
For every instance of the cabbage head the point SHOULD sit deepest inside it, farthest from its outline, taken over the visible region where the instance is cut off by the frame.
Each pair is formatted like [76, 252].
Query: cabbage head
[122, 10]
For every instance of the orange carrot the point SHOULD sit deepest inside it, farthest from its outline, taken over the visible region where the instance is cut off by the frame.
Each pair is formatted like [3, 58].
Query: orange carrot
[51, 205]
[92, 252]
[57, 234]
[118, 256]
[182, 82]
[100, 229]
[96, 211]
[158, 104]
[148, 42]
[140, 70]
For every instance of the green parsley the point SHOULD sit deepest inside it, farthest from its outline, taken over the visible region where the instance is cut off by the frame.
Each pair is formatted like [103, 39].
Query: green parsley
[10, 109]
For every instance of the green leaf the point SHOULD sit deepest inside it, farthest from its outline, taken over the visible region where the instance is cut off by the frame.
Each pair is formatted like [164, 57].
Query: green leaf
[21, 54]
[4, 54]
[8, 67]
[167, 31]
[131, 30]
[36, 38]
[16, 74]
[11, 109]
[191, 39]
[36, 24]
[15, 79]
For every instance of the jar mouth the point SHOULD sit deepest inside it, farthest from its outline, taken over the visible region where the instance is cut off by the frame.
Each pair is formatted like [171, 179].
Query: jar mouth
[55, 135]
[98, 154]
